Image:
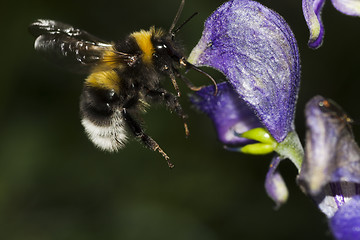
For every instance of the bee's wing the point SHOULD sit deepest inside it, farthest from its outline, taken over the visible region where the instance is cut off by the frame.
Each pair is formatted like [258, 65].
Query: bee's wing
[67, 46]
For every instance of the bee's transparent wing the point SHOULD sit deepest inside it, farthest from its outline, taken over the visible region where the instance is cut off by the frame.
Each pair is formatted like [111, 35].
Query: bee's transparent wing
[67, 46]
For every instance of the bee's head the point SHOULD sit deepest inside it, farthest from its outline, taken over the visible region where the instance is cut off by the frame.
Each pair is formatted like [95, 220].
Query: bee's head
[167, 53]
[168, 56]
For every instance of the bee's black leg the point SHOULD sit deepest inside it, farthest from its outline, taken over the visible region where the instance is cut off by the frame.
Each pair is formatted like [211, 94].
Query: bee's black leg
[147, 140]
[171, 102]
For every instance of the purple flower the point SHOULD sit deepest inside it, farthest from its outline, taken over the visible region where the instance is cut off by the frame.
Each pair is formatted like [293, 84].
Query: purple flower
[228, 111]
[330, 172]
[253, 111]
[274, 183]
[312, 13]
[256, 50]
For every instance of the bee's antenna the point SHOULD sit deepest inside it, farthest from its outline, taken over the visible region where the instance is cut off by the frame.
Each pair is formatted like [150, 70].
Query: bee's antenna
[172, 32]
[185, 22]
[189, 65]
[177, 16]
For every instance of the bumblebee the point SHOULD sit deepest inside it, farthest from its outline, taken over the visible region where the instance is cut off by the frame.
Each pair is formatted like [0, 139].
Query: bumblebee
[123, 77]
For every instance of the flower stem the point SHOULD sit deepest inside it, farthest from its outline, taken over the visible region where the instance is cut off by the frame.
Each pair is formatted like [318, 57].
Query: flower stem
[292, 149]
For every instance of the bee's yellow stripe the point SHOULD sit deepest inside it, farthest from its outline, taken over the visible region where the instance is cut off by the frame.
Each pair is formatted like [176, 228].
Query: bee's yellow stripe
[143, 39]
[104, 79]
[110, 59]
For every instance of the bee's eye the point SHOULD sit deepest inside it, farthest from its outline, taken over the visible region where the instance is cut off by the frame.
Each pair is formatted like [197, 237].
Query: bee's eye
[161, 48]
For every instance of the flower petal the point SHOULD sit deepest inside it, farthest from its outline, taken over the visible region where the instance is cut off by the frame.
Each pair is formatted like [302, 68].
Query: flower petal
[349, 7]
[334, 196]
[345, 225]
[256, 50]
[331, 153]
[229, 113]
[274, 183]
[312, 13]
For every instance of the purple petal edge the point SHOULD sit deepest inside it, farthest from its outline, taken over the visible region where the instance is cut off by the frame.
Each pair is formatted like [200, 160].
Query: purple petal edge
[256, 50]
[228, 112]
[349, 7]
[312, 14]
[274, 184]
[345, 224]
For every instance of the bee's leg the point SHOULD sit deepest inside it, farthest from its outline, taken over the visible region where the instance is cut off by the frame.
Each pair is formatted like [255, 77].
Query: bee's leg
[171, 101]
[173, 80]
[136, 128]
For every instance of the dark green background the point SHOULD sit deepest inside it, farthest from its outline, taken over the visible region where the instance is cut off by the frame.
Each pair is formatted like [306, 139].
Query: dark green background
[54, 184]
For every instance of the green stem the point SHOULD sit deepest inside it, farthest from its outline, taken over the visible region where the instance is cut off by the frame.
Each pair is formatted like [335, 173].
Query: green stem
[292, 149]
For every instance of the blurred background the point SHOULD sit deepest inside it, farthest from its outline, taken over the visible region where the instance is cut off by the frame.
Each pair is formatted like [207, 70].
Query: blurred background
[54, 184]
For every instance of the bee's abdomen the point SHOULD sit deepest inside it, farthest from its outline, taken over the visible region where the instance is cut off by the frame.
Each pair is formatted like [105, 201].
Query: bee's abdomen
[109, 136]
[102, 118]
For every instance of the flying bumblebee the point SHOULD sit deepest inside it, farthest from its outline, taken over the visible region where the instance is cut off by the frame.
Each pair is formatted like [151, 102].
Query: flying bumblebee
[123, 77]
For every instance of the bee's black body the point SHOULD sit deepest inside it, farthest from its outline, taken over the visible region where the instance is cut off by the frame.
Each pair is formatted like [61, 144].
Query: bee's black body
[123, 77]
